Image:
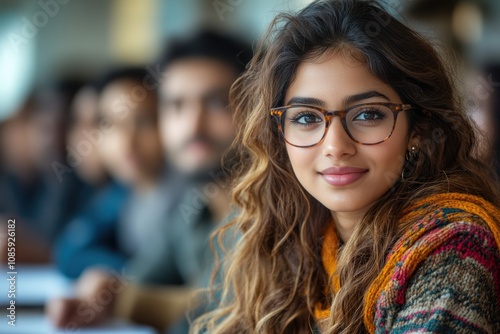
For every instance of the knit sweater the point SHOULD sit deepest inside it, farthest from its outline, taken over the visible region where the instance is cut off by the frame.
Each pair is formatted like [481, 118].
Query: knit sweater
[441, 276]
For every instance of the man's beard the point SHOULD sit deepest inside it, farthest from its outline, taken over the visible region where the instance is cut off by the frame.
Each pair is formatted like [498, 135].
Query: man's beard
[206, 174]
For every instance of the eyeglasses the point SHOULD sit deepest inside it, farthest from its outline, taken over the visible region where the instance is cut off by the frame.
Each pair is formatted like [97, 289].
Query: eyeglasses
[367, 124]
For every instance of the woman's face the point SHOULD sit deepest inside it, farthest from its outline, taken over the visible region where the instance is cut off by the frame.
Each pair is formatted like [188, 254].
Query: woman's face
[359, 174]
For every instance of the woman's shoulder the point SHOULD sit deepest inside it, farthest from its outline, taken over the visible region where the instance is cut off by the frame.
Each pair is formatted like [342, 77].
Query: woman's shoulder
[443, 274]
[452, 230]
[451, 238]
[455, 288]
[444, 217]
[456, 246]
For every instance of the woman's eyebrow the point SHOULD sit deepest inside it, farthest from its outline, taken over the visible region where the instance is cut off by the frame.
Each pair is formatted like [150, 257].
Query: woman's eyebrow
[347, 101]
[363, 96]
[306, 100]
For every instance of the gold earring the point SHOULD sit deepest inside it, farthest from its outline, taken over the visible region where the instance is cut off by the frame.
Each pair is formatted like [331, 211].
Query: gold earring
[410, 157]
[412, 153]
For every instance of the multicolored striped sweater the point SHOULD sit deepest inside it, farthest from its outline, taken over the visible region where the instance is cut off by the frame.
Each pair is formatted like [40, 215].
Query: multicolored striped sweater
[442, 276]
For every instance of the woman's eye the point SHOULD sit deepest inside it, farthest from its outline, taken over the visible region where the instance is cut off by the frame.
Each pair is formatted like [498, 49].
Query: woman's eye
[306, 119]
[369, 115]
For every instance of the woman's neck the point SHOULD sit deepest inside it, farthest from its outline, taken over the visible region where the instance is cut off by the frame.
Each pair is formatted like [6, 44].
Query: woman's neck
[345, 222]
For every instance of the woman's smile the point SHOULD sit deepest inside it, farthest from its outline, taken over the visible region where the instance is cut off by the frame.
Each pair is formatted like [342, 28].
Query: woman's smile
[342, 176]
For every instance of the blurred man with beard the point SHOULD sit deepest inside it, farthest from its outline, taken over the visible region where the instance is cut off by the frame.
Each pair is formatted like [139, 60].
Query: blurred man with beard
[195, 76]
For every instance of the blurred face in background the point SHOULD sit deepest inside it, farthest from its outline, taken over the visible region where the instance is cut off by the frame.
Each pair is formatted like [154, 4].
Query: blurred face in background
[17, 143]
[84, 125]
[131, 148]
[481, 109]
[196, 123]
[50, 128]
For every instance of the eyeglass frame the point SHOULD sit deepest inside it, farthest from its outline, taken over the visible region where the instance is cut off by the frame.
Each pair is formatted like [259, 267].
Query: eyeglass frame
[396, 108]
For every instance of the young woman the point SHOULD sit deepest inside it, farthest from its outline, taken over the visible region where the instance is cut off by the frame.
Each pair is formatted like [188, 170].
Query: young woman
[364, 207]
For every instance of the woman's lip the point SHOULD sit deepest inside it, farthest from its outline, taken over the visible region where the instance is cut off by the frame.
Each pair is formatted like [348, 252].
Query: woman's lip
[342, 176]
[342, 170]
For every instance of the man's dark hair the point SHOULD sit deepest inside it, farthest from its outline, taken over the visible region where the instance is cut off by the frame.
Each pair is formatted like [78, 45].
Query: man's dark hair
[126, 73]
[209, 44]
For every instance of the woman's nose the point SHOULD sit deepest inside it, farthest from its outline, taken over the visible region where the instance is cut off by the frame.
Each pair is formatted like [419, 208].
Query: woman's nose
[337, 142]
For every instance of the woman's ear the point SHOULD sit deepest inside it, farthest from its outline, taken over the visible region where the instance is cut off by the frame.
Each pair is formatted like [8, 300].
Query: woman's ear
[414, 140]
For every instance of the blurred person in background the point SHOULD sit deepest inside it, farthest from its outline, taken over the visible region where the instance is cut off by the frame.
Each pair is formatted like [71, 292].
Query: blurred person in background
[18, 170]
[492, 73]
[484, 108]
[31, 141]
[197, 128]
[121, 221]
[83, 134]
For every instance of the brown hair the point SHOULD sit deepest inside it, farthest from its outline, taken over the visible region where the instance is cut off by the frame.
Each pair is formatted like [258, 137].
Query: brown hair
[273, 277]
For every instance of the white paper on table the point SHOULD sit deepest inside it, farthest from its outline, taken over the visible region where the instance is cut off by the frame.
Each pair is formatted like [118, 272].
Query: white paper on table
[35, 284]
[31, 322]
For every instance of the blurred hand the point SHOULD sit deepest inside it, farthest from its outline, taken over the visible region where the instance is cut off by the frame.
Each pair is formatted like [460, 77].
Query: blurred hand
[74, 313]
[94, 302]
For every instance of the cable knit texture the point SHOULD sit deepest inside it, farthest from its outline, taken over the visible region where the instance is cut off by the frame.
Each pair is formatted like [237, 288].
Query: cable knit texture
[442, 276]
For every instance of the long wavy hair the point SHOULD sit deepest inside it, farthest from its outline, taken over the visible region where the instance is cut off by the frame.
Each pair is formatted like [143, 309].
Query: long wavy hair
[273, 276]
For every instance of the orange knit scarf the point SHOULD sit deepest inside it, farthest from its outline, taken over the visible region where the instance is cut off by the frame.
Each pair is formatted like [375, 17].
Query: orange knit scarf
[472, 204]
